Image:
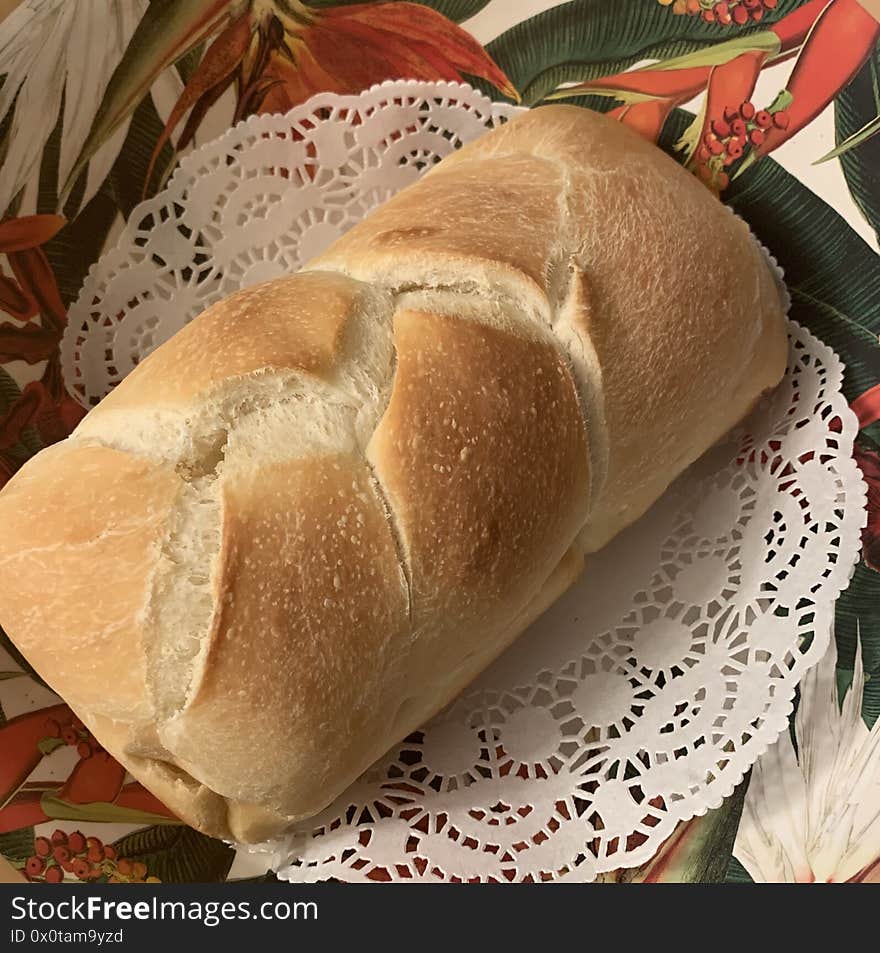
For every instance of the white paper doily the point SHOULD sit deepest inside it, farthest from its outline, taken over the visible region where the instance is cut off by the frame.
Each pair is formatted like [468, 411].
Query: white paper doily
[644, 695]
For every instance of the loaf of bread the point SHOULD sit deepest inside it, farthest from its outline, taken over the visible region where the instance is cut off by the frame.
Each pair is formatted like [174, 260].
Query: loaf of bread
[306, 522]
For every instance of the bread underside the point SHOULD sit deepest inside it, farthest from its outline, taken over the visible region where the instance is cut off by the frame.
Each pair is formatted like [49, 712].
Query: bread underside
[303, 525]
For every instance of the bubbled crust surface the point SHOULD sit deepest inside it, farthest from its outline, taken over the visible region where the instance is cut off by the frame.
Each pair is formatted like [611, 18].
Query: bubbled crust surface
[509, 225]
[574, 139]
[76, 606]
[648, 297]
[293, 698]
[296, 323]
[663, 279]
[483, 457]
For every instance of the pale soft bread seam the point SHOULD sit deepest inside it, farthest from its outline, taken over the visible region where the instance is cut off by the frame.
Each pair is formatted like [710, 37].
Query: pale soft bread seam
[209, 468]
[579, 347]
[530, 320]
[170, 664]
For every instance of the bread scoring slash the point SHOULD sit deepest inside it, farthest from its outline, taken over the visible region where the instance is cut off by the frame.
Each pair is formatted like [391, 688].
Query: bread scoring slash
[301, 526]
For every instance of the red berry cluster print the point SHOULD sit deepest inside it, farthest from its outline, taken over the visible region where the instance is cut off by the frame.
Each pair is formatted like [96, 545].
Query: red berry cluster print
[723, 13]
[730, 136]
[77, 857]
[74, 735]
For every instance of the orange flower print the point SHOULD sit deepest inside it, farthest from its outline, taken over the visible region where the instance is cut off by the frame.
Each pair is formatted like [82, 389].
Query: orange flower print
[279, 54]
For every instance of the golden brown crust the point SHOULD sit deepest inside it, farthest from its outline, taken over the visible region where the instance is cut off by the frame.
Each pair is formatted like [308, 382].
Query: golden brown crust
[81, 531]
[296, 323]
[246, 822]
[483, 457]
[303, 648]
[273, 551]
[509, 227]
[676, 329]
[575, 139]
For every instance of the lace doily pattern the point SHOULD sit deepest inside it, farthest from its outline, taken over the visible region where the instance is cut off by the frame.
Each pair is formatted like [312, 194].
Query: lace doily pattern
[255, 204]
[644, 695]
